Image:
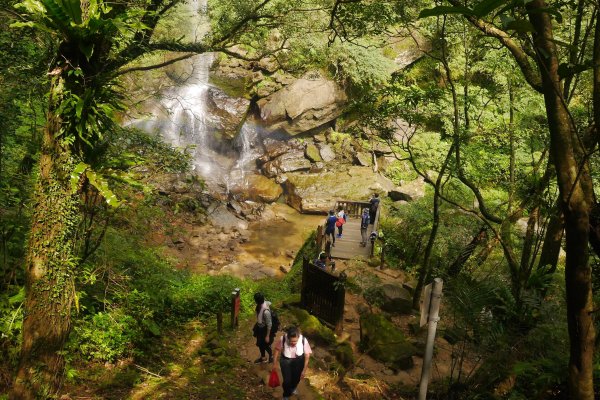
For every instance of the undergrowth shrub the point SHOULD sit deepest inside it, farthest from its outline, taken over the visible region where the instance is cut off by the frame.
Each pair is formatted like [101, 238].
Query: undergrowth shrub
[106, 336]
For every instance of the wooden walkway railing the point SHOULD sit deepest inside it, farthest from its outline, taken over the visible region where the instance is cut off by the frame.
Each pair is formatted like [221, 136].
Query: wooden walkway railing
[349, 246]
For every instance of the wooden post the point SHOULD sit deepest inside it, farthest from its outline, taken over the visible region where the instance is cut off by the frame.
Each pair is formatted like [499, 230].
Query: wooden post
[433, 311]
[304, 279]
[235, 308]
[320, 236]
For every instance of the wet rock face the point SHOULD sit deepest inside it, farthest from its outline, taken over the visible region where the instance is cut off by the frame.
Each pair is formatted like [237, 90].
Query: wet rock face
[227, 113]
[257, 188]
[287, 162]
[305, 104]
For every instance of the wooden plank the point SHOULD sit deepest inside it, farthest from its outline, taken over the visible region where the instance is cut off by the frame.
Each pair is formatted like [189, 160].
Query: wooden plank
[348, 246]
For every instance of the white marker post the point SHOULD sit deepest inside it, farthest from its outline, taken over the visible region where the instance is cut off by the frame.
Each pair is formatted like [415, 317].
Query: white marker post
[429, 313]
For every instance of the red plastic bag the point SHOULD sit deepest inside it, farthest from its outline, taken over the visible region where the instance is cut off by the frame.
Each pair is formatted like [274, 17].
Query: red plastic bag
[274, 379]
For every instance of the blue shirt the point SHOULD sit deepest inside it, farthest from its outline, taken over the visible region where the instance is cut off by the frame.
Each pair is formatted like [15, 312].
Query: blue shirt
[330, 224]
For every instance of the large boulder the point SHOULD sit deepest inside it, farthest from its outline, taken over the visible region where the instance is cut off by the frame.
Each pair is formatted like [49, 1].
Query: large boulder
[408, 192]
[307, 103]
[385, 342]
[222, 217]
[318, 192]
[396, 299]
[227, 113]
[287, 162]
[257, 188]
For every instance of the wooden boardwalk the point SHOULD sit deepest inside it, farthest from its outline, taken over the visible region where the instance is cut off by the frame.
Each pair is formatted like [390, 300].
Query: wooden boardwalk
[348, 246]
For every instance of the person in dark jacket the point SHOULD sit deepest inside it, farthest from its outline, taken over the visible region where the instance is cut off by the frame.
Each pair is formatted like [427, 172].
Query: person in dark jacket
[374, 205]
[262, 331]
[330, 226]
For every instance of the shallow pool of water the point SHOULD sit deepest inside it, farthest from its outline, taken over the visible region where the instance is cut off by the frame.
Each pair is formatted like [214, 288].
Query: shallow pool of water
[269, 240]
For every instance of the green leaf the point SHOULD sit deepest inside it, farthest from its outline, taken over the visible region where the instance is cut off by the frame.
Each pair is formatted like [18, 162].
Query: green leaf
[444, 10]
[17, 298]
[79, 107]
[485, 7]
[29, 24]
[76, 175]
[100, 184]
[87, 49]
[72, 8]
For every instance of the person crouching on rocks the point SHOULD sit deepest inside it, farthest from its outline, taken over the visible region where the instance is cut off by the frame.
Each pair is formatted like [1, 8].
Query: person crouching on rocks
[262, 330]
[295, 352]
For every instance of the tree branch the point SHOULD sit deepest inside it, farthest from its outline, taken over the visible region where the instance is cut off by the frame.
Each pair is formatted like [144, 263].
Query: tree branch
[519, 54]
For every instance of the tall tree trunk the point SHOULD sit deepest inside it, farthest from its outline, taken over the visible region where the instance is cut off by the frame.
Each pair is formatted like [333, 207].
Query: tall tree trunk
[576, 199]
[553, 239]
[49, 268]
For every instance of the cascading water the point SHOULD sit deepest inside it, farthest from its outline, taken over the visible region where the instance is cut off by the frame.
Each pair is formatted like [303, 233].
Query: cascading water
[181, 117]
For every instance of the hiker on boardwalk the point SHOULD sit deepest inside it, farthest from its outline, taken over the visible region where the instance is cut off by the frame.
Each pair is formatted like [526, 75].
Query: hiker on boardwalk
[295, 352]
[341, 220]
[374, 205]
[365, 220]
[321, 260]
[262, 329]
[330, 227]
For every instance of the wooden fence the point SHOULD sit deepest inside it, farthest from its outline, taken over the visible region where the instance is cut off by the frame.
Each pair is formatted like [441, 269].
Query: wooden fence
[323, 295]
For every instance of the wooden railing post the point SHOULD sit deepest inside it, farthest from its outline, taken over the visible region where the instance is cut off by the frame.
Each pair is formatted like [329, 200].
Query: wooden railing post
[235, 308]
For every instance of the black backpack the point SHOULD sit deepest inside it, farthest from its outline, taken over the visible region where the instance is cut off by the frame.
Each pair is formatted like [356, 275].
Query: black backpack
[275, 324]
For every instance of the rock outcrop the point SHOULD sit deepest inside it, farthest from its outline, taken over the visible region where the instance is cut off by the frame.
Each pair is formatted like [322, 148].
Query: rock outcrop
[303, 105]
[226, 113]
[317, 193]
[257, 188]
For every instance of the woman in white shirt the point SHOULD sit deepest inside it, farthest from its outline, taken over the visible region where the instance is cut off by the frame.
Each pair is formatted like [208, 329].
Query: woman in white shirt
[295, 352]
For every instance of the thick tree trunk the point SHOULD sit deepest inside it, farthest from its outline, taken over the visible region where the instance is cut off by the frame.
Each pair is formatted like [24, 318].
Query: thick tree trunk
[576, 200]
[552, 240]
[49, 271]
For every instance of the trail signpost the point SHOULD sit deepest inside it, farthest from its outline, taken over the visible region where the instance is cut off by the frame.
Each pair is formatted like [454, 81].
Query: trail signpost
[429, 315]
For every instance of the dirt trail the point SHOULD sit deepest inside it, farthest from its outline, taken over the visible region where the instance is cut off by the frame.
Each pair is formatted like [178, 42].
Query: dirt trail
[249, 352]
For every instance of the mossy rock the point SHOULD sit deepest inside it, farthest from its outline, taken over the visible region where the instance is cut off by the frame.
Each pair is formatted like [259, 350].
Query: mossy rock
[312, 327]
[345, 355]
[312, 153]
[385, 343]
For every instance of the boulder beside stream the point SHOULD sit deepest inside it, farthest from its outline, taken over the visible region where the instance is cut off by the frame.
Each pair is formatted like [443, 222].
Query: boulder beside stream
[385, 342]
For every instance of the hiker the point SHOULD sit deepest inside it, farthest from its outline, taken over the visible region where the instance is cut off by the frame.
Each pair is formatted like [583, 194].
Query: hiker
[330, 227]
[321, 260]
[374, 204]
[262, 329]
[365, 220]
[341, 220]
[295, 352]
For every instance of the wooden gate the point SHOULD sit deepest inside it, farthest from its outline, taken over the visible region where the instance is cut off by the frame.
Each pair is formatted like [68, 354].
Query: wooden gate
[323, 295]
